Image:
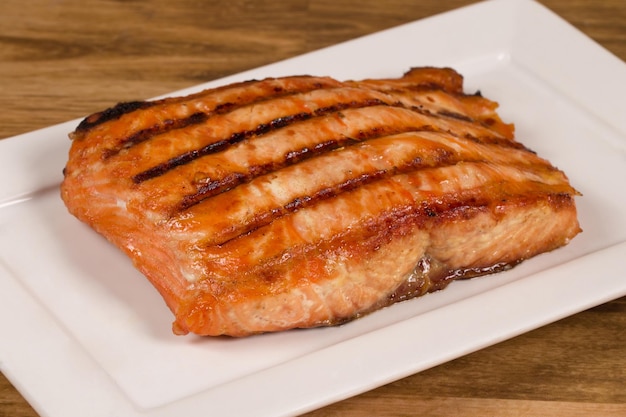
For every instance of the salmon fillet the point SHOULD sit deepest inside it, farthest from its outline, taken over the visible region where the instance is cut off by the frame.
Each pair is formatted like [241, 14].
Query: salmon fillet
[304, 201]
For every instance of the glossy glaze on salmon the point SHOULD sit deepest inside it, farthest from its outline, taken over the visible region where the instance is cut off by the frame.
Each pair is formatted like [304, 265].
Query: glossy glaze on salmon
[305, 201]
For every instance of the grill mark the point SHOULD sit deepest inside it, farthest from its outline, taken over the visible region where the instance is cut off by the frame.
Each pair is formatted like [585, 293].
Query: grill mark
[147, 134]
[196, 118]
[212, 188]
[485, 140]
[111, 113]
[237, 137]
[223, 108]
[207, 188]
[123, 108]
[284, 121]
[330, 192]
[436, 209]
[497, 141]
[218, 146]
[455, 115]
[267, 217]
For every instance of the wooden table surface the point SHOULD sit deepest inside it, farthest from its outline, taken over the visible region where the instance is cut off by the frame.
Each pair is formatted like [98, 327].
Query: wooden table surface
[63, 59]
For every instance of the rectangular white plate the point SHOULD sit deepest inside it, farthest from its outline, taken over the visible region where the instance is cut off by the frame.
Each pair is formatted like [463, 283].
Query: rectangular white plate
[83, 333]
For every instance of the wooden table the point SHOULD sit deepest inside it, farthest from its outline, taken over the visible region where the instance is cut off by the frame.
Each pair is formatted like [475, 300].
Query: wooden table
[60, 60]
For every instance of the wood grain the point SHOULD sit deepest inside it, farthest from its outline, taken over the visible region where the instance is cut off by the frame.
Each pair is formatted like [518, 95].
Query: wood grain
[63, 59]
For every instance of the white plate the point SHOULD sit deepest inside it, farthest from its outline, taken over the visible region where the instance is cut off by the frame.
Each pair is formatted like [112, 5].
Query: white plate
[83, 333]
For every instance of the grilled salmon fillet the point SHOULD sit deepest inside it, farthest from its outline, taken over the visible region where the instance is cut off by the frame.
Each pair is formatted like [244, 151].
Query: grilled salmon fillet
[305, 201]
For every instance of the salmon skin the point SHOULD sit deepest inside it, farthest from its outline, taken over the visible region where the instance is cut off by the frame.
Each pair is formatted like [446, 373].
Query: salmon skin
[304, 201]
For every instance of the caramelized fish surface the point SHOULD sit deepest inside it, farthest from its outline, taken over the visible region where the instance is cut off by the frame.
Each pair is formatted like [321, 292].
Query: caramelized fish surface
[304, 201]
